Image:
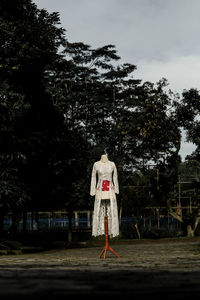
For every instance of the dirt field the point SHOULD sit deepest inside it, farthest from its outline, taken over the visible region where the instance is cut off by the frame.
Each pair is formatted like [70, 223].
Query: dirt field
[165, 269]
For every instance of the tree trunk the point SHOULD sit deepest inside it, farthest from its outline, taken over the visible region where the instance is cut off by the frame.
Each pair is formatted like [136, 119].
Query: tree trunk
[32, 220]
[70, 215]
[158, 218]
[1, 221]
[15, 222]
[37, 220]
[24, 221]
[190, 231]
[150, 222]
[137, 230]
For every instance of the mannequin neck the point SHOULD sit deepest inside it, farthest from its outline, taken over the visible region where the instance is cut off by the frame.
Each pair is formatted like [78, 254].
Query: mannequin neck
[104, 158]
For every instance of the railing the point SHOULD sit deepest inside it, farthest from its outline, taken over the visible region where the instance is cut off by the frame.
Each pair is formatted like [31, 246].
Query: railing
[52, 223]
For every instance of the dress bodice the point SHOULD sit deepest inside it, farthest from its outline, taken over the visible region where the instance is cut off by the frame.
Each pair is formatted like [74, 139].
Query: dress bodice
[105, 171]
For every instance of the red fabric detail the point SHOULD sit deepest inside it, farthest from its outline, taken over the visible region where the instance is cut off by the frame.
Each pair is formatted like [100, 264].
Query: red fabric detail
[105, 185]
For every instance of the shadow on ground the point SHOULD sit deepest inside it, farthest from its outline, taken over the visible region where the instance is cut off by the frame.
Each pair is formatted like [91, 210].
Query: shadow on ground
[162, 269]
[31, 284]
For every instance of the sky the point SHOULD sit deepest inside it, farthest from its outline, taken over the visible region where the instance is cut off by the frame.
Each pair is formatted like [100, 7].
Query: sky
[160, 37]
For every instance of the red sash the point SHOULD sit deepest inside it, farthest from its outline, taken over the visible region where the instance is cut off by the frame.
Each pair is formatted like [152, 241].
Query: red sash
[105, 185]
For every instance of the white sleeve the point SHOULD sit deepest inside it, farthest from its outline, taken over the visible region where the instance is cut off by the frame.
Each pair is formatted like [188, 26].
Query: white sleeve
[115, 180]
[93, 181]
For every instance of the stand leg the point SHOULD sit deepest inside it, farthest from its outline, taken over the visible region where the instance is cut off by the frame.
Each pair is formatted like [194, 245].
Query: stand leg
[102, 252]
[113, 252]
[107, 247]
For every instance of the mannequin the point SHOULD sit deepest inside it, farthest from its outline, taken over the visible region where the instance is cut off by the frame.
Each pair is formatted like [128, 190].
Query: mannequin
[105, 217]
[105, 199]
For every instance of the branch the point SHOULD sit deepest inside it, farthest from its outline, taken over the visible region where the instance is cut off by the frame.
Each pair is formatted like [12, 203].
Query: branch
[175, 215]
[196, 223]
[197, 220]
[172, 213]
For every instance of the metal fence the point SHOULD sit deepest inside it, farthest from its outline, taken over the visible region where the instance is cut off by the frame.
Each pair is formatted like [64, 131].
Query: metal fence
[82, 220]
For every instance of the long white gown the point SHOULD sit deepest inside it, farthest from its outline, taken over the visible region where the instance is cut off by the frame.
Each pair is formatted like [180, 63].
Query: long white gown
[105, 171]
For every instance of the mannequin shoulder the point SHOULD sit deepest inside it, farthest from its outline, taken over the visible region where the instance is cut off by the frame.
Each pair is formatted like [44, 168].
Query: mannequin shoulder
[96, 163]
[112, 163]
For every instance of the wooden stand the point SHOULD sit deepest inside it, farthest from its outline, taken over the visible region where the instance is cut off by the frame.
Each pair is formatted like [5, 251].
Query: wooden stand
[107, 247]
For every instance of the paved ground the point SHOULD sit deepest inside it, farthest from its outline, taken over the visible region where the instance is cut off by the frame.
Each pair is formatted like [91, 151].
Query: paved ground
[166, 268]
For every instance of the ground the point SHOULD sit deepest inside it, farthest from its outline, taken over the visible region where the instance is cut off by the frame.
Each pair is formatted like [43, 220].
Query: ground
[165, 269]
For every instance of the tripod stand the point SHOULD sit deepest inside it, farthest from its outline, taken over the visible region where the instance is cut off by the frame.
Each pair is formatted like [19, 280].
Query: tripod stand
[107, 246]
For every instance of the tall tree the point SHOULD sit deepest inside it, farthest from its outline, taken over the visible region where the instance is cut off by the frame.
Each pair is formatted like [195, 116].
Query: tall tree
[188, 111]
[29, 49]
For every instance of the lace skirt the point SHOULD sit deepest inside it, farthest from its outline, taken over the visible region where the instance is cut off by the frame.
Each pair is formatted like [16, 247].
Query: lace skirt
[104, 208]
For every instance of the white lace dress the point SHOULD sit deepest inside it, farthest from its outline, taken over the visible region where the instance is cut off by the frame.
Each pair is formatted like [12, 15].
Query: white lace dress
[106, 172]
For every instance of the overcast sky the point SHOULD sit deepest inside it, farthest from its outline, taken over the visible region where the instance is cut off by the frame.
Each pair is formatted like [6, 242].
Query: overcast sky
[161, 37]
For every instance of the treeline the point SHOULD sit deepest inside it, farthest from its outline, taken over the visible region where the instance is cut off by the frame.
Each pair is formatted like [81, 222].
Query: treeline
[62, 104]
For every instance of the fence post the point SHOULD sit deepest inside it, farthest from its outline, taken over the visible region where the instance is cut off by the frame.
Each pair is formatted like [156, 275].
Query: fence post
[76, 219]
[88, 218]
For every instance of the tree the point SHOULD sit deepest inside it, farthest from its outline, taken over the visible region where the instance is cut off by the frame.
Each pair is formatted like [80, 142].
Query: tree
[188, 110]
[152, 130]
[29, 44]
